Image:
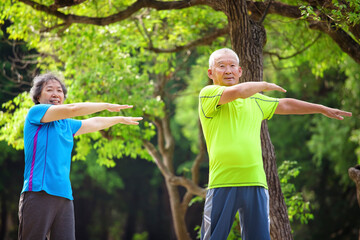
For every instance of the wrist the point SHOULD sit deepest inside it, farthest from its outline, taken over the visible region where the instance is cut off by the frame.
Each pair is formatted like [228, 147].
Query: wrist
[107, 106]
[322, 108]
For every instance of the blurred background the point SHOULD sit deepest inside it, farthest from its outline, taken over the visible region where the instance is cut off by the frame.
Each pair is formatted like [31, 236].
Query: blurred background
[119, 192]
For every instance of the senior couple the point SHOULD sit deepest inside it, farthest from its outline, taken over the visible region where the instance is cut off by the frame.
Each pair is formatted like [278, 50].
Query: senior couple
[230, 113]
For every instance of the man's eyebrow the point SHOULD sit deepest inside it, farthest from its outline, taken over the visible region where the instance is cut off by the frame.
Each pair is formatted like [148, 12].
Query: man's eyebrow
[221, 62]
[49, 86]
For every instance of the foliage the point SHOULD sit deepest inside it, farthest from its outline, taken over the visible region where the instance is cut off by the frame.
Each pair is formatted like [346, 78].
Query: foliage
[298, 208]
[141, 236]
[235, 233]
[187, 102]
[291, 44]
[12, 120]
[107, 67]
[321, 147]
[112, 64]
[344, 14]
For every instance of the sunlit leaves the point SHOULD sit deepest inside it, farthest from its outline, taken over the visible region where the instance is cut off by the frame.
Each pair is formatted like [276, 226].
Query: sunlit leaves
[12, 120]
[291, 43]
[298, 208]
[187, 102]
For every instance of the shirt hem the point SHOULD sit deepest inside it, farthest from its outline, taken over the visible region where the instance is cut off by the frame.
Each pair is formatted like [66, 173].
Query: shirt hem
[238, 185]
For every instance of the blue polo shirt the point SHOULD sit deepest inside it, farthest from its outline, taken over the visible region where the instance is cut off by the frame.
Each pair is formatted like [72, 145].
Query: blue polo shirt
[48, 148]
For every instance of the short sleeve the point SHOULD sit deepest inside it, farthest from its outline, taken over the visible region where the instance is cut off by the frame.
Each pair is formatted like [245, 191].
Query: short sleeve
[266, 104]
[36, 113]
[208, 100]
[75, 125]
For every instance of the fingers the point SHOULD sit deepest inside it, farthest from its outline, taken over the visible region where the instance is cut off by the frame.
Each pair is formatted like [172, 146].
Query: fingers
[274, 87]
[346, 114]
[343, 113]
[136, 119]
[132, 120]
[338, 114]
[125, 106]
[117, 107]
[280, 89]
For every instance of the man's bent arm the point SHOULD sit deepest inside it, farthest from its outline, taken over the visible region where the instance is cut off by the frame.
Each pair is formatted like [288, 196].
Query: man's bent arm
[63, 111]
[294, 106]
[98, 123]
[247, 89]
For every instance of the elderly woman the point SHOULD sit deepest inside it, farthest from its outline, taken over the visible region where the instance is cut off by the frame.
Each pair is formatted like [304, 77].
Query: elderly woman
[46, 201]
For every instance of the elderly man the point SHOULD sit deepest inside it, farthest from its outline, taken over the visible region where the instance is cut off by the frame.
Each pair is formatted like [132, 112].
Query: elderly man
[231, 116]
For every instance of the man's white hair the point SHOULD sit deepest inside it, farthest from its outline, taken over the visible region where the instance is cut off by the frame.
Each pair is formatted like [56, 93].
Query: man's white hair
[219, 52]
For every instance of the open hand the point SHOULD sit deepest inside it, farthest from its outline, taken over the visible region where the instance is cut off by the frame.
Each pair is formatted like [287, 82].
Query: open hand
[336, 113]
[274, 87]
[131, 120]
[117, 107]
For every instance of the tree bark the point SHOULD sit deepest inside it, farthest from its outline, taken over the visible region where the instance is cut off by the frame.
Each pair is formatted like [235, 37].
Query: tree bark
[248, 38]
[167, 145]
[4, 214]
[280, 225]
[354, 174]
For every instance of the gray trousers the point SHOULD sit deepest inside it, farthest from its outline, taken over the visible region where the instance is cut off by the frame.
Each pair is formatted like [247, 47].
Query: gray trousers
[43, 216]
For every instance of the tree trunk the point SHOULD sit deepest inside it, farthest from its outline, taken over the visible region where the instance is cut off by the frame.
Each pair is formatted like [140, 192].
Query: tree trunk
[178, 216]
[248, 38]
[354, 173]
[279, 225]
[4, 213]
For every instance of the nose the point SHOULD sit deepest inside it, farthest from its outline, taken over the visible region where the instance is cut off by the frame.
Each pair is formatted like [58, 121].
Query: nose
[227, 69]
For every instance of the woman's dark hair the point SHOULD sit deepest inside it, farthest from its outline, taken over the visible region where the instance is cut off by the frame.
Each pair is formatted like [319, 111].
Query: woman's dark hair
[39, 82]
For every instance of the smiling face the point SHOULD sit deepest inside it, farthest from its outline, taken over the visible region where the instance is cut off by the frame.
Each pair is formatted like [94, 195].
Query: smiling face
[225, 70]
[51, 93]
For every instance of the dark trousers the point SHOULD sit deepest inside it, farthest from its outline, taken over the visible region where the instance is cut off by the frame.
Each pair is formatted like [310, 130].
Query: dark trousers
[43, 216]
[221, 205]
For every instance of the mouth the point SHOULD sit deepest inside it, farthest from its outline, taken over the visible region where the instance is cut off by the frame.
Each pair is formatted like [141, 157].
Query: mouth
[54, 101]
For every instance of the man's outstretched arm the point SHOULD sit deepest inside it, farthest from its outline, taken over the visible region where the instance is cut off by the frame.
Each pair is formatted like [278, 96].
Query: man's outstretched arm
[247, 89]
[293, 106]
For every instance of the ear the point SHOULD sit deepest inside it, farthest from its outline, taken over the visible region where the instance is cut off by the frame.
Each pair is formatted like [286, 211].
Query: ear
[240, 71]
[210, 73]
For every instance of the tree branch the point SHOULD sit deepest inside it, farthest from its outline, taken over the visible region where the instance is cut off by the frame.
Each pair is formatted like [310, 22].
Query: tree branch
[160, 135]
[200, 156]
[157, 158]
[339, 36]
[326, 6]
[258, 9]
[174, 180]
[296, 53]
[343, 40]
[195, 172]
[189, 185]
[265, 12]
[205, 40]
[122, 15]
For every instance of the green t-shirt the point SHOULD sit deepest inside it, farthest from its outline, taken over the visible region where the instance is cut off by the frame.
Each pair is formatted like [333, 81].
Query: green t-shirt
[232, 134]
